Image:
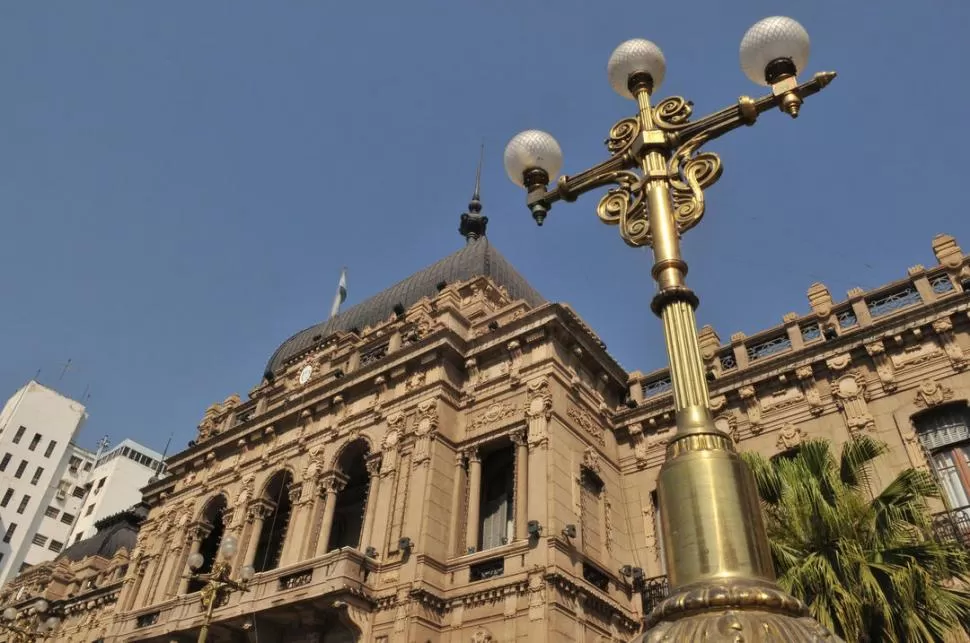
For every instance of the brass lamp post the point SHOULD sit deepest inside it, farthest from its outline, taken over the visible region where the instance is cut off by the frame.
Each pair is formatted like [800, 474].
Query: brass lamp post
[30, 624]
[219, 582]
[718, 558]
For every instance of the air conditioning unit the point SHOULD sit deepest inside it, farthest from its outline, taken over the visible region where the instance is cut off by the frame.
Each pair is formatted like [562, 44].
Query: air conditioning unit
[61, 494]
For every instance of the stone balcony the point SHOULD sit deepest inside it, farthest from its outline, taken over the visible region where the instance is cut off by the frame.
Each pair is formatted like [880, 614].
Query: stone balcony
[341, 575]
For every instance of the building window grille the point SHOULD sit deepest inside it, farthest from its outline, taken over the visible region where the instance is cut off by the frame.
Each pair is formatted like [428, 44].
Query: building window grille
[941, 284]
[769, 347]
[37, 474]
[56, 546]
[19, 434]
[892, 302]
[7, 495]
[656, 387]
[486, 569]
[39, 539]
[50, 448]
[78, 492]
[23, 504]
[811, 332]
[34, 441]
[67, 519]
[4, 462]
[847, 319]
[8, 535]
[20, 469]
[728, 362]
[52, 512]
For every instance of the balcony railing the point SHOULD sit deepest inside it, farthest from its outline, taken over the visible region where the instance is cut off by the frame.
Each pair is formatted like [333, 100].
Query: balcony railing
[953, 525]
[654, 591]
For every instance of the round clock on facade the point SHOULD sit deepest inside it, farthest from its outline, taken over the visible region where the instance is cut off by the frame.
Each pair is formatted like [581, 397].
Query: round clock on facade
[305, 374]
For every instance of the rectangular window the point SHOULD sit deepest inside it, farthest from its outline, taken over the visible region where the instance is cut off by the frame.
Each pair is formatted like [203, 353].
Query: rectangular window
[4, 462]
[40, 540]
[34, 441]
[50, 448]
[87, 466]
[56, 546]
[74, 462]
[496, 499]
[52, 512]
[67, 519]
[23, 504]
[101, 482]
[87, 512]
[20, 469]
[78, 492]
[37, 474]
[11, 528]
[591, 507]
[78, 537]
[7, 495]
[19, 434]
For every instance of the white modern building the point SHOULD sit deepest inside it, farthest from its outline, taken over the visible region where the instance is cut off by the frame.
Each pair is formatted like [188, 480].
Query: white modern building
[42, 476]
[115, 484]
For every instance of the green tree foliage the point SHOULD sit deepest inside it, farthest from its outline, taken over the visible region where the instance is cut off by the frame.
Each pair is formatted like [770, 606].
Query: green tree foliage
[869, 568]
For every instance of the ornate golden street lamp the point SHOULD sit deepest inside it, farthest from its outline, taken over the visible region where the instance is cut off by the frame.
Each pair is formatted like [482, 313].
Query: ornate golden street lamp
[30, 624]
[219, 583]
[718, 559]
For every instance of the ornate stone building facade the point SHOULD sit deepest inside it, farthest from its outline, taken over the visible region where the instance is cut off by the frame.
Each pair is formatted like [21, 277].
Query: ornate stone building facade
[456, 459]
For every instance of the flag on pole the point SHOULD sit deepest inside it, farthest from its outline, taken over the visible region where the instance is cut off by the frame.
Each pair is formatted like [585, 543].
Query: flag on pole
[341, 296]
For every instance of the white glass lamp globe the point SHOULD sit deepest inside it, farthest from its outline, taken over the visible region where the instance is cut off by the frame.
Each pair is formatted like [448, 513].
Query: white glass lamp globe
[770, 39]
[41, 606]
[247, 572]
[10, 613]
[196, 561]
[229, 546]
[634, 57]
[530, 150]
[53, 622]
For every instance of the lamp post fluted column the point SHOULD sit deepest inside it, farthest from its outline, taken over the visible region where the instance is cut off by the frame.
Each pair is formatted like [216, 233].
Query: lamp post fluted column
[716, 548]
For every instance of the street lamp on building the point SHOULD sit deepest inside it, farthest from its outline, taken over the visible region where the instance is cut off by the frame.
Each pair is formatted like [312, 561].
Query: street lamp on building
[31, 624]
[718, 560]
[219, 583]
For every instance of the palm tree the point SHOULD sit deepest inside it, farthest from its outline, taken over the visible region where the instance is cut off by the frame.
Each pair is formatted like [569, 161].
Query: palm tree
[868, 567]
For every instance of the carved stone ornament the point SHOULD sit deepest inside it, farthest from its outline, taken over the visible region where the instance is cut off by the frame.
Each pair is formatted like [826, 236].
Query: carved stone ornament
[718, 402]
[591, 460]
[782, 398]
[427, 417]
[482, 636]
[639, 444]
[944, 331]
[884, 365]
[931, 393]
[810, 388]
[751, 407]
[415, 380]
[728, 424]
[839, 362]
[540, 398]
[851, 396]
[588, 424]
[789, 437]
[494, 415]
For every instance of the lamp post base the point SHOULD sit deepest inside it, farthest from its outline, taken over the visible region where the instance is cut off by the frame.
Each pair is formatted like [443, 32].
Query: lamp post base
[732, 611]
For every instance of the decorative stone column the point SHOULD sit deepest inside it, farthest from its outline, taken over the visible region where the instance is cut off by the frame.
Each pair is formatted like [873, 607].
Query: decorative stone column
[291, 543]
[521, 483]
[197, 534]
[474, 499]
[259, 510]
[374, 484]
[457, 487]
[331, 486]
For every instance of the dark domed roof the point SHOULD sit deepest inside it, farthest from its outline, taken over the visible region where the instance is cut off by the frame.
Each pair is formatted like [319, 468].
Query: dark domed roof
[114, 532]
[477, 258]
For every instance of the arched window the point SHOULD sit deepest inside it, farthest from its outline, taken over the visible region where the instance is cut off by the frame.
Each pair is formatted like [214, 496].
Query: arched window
[212, 516]
[944, 433]
[498, 473]
[269, 548]
[348, 516]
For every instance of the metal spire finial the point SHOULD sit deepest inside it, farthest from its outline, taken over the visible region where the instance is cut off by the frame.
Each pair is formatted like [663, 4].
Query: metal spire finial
[472, 222]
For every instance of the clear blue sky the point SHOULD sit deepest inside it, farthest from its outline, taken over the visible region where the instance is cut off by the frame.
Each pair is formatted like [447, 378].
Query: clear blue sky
[180, 182]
